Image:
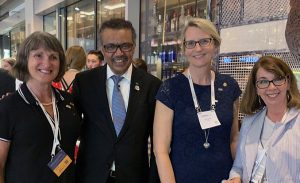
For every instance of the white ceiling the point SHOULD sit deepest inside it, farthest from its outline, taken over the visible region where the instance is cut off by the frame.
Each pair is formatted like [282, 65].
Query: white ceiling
[16, 11]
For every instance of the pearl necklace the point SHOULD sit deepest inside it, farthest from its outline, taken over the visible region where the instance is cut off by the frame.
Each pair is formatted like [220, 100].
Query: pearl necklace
[46, 104]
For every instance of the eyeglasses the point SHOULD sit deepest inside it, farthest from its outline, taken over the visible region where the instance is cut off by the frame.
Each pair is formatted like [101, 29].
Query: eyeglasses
[112, 48]
[202, 42]
[264, 83]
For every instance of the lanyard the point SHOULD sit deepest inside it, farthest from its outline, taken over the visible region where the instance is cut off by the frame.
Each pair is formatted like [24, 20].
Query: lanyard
[262, 152]
[212, 87]
[54, 122]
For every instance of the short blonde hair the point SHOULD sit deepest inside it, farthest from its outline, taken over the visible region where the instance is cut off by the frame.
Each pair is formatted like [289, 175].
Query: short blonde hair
[206, 26]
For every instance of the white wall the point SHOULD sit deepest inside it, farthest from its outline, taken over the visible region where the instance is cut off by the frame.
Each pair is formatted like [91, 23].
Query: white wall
[253, 37]
[132, 13]
[42, 5]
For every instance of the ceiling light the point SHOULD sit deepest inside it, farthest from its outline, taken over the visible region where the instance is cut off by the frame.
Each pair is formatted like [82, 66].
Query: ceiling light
[76, 8]
[115, 6]
[87, 13]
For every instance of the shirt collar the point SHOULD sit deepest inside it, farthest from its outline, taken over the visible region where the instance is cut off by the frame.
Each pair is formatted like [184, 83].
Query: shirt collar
[126, 75]
[29, 99]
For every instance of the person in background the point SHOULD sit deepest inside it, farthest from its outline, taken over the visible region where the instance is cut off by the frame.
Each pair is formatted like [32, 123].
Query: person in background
[268, 148]
[196, 115]
[94, 59]
[75, 60]
[38, 123]
[140, 63]
[7, 64]
[118, 115]
[7, 83]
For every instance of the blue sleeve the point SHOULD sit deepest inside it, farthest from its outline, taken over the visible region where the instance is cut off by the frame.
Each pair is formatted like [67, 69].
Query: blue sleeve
[236, 89]
[164, 94]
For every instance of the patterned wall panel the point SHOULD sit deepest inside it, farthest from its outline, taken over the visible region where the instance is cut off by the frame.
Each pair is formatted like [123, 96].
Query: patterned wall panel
[238, 12]
[239, 65]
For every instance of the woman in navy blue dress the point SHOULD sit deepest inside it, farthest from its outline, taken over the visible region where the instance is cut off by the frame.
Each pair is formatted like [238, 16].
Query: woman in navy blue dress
[196, 117]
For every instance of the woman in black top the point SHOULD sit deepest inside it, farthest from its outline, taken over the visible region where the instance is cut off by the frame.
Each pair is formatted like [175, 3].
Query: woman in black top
[38, 124]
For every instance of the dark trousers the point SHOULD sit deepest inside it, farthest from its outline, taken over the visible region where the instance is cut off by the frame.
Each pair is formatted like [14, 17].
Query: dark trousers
[111, 180]
[111, 177]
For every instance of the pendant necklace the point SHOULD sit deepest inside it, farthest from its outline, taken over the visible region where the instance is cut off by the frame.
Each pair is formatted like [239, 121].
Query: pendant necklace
[206, 144]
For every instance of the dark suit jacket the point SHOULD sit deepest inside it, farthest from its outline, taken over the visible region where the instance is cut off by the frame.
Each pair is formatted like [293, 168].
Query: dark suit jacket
[7, 82]
[100, 145]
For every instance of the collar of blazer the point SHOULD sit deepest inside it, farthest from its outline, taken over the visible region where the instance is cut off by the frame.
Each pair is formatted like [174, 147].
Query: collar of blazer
[255, 123]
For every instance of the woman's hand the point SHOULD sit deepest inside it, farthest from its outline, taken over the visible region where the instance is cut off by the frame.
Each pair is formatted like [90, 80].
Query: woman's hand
[233, 180]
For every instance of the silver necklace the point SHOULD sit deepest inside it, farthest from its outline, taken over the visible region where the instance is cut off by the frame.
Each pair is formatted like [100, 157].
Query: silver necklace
[206, 144]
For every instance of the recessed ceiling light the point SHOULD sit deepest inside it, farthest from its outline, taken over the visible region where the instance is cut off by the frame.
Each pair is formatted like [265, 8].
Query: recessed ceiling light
[115, 6]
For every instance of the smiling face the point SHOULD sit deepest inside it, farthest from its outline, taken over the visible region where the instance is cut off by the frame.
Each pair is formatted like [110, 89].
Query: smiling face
[199, 56]
[43, 66]
[273, 96]
[118, 61]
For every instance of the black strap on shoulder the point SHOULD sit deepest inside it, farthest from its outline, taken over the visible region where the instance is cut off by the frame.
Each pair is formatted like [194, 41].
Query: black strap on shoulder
[65, 85]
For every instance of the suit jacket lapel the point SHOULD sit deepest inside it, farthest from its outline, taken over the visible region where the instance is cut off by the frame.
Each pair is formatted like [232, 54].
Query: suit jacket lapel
[135, 87]
[105, 124]
[253, 138]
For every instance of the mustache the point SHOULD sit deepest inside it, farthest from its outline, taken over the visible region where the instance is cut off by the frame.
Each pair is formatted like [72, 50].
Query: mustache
[123, 58]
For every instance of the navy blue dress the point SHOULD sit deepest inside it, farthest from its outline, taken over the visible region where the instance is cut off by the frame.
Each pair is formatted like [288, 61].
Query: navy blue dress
[192, 163]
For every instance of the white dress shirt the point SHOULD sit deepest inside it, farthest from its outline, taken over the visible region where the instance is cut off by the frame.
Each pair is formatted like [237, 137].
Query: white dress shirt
[124, 85]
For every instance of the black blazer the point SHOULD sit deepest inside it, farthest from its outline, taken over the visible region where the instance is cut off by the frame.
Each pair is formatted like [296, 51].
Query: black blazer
[100, 145]
[7, 82]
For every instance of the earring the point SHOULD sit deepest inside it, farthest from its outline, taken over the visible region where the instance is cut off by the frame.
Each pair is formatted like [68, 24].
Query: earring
[259, 100]
[288, 95]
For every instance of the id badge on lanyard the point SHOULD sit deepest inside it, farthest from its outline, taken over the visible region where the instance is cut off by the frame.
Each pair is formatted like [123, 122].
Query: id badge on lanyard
[59, 159]
[207, 119]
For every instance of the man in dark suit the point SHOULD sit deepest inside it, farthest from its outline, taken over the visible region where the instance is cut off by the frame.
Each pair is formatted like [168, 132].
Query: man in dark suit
[7, 83]
[111, 151]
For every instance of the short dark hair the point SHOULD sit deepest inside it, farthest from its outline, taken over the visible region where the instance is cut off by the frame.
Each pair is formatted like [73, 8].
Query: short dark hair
[98, 53]
[117, 23]
[35, 41]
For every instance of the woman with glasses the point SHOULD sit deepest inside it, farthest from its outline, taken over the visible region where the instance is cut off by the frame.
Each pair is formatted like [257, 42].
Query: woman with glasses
[268, 148]
[196, 116]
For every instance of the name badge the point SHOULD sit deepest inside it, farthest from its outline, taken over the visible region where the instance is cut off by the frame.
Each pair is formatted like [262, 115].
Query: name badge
[208, 119]
[59, 162]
